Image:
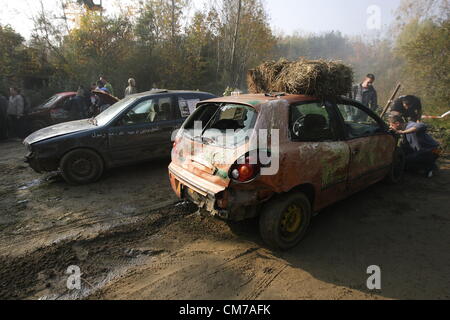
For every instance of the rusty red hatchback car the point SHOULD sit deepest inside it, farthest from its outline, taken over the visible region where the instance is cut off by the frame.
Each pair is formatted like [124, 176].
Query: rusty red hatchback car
[280, 157]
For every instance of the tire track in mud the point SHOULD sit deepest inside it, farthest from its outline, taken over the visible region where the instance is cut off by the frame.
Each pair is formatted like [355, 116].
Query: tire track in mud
[264, 282]
[82, 227]
[42, 273]
[233, 271]
[257, 269]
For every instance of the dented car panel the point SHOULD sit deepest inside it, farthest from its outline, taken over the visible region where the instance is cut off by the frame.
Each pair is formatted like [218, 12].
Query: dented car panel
[327, 171]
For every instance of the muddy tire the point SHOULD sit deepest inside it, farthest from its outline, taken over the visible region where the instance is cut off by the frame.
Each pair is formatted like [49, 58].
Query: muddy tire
[397, 169]
[81, 166]
[285, 220]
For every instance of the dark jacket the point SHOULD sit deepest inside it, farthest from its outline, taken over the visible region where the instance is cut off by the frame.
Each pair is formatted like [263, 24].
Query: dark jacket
[3, 116]
[367, 97]
[3, 106]
[414, 113]
[77, 108]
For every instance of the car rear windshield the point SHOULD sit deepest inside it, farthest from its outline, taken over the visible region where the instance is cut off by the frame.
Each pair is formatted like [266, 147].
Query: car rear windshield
[224, 124]
[50, 102]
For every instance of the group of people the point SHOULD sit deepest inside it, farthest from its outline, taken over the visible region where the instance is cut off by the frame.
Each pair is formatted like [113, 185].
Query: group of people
[104, 85]
[405, 119]
[85, 105]
[13, 109]
[12, 112]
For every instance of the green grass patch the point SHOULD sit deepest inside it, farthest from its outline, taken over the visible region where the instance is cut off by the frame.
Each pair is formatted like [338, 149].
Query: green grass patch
[440, 130]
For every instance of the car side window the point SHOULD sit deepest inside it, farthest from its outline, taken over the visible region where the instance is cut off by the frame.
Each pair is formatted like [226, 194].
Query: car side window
[187, 103]
[311, 122]
[149, 111]
[163, 109]
[143, 112]
[358, 123]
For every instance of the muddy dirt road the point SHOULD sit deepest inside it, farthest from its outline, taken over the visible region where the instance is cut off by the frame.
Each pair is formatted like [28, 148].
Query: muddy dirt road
[131, 239]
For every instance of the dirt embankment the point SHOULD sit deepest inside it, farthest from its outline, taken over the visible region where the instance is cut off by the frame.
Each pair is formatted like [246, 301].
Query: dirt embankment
[133, 240]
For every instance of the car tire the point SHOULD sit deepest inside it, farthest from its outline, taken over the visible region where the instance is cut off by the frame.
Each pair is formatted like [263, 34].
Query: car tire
[285, 220]
[81, 166]
[397, 169]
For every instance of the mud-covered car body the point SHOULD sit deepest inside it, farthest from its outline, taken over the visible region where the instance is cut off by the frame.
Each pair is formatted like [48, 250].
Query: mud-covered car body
[333, 158]
[54, 110]
[135, 129]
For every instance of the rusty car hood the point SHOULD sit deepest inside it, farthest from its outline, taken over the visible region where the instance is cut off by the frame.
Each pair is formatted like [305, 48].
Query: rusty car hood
[59, 130]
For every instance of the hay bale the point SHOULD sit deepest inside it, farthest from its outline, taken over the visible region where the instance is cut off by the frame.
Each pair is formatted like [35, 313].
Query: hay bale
[263, 78]
[317, 78]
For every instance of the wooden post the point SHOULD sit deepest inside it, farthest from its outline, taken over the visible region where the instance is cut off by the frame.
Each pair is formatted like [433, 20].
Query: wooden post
[388, 104]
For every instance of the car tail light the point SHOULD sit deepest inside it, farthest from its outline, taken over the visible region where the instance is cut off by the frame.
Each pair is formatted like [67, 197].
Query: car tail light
[244, 172]
[177, 141]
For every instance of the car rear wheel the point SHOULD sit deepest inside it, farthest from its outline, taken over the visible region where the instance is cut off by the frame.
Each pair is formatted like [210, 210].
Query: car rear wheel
[397, 169]
[285, 220]
[81, 166]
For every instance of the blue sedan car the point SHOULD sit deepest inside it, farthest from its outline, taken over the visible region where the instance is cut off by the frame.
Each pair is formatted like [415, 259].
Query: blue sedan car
[135, 129]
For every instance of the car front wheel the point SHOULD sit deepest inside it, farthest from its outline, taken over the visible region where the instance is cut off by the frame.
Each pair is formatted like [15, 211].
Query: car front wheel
[397, 169]
[285, 220]
[81, 166]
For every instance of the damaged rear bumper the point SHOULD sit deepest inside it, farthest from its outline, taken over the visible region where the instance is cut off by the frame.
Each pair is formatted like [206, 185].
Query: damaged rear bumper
[200, 191]
[225, 203]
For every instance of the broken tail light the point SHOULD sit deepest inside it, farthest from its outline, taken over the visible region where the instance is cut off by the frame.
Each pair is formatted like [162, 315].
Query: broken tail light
[244, 171]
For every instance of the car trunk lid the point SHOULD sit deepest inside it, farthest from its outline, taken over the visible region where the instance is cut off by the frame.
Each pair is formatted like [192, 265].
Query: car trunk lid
[206, 154]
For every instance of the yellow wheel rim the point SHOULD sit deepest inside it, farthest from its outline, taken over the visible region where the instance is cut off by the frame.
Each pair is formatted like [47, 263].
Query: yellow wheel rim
[292, 219]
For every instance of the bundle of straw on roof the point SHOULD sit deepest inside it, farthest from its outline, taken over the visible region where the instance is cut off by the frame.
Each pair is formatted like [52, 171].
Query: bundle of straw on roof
[317, 78]
[263, 78]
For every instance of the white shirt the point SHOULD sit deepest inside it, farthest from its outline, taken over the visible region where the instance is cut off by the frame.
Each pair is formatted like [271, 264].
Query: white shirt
[16, 105]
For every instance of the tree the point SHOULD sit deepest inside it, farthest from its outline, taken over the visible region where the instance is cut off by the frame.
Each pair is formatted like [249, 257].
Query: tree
[436, 10]
[425, 48]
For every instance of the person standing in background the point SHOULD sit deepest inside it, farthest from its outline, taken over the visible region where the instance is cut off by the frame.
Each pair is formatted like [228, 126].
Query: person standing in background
[131, 89]
[366, 94]
[3, 117]
[107, 85]
[101, 86]
[15, 112]
[78, 108]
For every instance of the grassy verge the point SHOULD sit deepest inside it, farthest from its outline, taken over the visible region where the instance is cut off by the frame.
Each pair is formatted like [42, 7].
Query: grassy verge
[440, 129]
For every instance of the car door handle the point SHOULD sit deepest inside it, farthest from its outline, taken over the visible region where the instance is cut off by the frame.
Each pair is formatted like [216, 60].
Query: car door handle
[355, 152]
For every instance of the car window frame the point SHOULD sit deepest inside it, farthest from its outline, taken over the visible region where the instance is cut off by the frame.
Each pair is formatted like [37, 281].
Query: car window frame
[188, 96]
[346, 135]
[185, 132]
[335, 121]
[62, 102]
[117, 121]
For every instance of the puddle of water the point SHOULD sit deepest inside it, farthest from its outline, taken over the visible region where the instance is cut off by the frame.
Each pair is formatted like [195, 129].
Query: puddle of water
[31, 184]
[50, 177]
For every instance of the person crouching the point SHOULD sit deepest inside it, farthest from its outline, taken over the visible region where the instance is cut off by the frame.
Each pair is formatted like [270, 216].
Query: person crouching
[420, 148]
